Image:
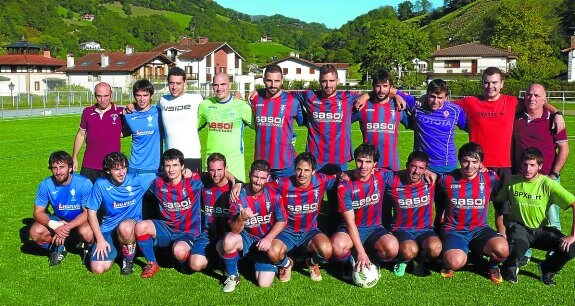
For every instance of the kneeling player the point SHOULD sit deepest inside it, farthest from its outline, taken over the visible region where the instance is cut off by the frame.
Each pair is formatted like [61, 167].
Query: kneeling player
[256, 219]
[179, 200]
[412, 199]
[465, 227]
[360, 202]
[66, 192]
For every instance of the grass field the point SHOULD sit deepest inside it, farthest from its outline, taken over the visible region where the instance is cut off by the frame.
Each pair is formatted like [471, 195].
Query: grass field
[24, 148]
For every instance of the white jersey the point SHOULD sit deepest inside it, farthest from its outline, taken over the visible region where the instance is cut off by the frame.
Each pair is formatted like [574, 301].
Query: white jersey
[180, 120]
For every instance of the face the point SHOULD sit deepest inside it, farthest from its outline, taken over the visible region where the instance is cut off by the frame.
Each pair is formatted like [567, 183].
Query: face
[530, 168]
[303, 173]
[470, 166]
[436, 100]
[61, 172]
[173, 169]
[273, 82]
[176, 85]
[217, 171]
[118, 174]
[258, 179]
[221, 87]
[143, 99]
[329, 84]
[492, 85]
[364, 166]
[415, 170]
[535, 98]
[103, 95]
[381, 90]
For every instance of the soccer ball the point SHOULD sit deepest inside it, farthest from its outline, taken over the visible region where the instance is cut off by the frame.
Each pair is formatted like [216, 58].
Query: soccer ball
[367, 277]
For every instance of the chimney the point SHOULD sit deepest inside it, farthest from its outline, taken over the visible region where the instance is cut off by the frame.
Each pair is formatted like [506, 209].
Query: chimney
[508, 48]
[69, 60]
[129, 49]
[47, 53]
[292, 54]
[104, 61]
[202, 40]
[438, 47]
[186, 41]
[297, 55]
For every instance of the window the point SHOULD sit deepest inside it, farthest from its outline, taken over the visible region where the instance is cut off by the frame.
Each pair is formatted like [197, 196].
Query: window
[311, 70]
[298, 71]
[37, 86]
[452, 64]
[285, 71]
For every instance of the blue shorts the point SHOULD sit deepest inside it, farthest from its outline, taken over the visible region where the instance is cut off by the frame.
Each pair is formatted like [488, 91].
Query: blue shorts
[368, 235]
[464, 240]
[293, 240]
[260, 259]
[418, 235]
[204, 246]
[165, 235]
[111, 238]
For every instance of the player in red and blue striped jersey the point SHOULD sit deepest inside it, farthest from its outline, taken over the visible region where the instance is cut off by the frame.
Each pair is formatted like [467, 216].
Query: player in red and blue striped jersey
[180, 202]
[303, 194]
[465, 226]
[379, 121]
[274, 112]
[256, 218]
[412, 202]
[361, 203]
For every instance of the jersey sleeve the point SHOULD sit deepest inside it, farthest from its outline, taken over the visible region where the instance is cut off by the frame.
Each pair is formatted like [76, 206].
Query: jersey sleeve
[344, 202]
[299, 117]
[86, 190]
[299, 95]
[409, 100]
[461, 118]
[95, 198]
[560, 195]
[83, 121]
[280, 214]
[202, 115]
[247, 115]
[330, 180]
[42, 197]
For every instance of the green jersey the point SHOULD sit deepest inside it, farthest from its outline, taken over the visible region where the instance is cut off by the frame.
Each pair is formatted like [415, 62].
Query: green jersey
[530, 199]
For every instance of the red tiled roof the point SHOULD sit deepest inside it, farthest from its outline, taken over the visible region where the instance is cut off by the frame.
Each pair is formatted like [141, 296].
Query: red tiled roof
[337, 65]
[473, 49]
[195, 50]
[165, 46]
[117, 61]
[30, 60]
[308, 62]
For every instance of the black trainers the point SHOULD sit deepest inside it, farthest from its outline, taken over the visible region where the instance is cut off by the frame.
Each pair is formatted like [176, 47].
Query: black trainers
[56, 257]
[127, 266]
[420, 269]
[523, 261]
[510, 274]
[546, 277]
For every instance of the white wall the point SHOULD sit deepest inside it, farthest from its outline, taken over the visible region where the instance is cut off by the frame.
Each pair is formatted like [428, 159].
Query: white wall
[25, 82]
[465, 64]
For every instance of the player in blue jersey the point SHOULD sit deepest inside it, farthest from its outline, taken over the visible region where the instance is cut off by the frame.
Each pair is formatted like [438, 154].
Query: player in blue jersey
[256, 218]
[66, 192]
[120, 195]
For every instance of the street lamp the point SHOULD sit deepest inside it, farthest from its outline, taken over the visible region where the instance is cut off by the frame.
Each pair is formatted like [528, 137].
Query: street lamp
[11, 87]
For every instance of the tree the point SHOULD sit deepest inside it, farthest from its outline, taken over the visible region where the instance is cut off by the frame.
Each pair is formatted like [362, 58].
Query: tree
[405, 10]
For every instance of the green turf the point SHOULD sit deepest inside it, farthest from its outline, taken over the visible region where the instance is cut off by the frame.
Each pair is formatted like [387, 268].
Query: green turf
[24, 148]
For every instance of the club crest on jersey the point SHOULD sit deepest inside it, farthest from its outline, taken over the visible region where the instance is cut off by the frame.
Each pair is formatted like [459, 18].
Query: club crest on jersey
[446, 114]
[184, 193]
[282, 109]
[232, 114]
[316, 102]
[339, 105]
[316, 194]
[73, 194]
[150, 118]
[114, 118]
[129, 188]
[268, 205]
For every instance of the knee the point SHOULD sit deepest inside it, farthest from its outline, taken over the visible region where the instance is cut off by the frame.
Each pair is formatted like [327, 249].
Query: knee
[99, 267]
[37, 233]
[230, 242]
[198, 263]
[434, 248]
[325, 249]
[181, 251]
[141, 228]
[86, 234]
[339, 247]
[276, 252]
[408, 249]
[126, 230]
[454, 259]
[387, 247]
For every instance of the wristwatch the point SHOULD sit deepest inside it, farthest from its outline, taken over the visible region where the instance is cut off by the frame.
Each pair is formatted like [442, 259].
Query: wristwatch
[557, 113]
[555, 174]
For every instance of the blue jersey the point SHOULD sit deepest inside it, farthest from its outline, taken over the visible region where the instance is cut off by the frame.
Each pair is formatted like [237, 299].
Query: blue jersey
[66, 201]
[120, 202]
[146, 141]
[434, 132]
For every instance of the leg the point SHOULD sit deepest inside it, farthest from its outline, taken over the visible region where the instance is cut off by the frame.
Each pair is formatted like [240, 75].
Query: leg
[387, 247]
[41, 235]
[232, 245]
[430, 248]
[265, 279]
[321, 247]
[103, 264]
[455, 248]
[145, 233]
[341, 246]
[127, 240]
[85, 232]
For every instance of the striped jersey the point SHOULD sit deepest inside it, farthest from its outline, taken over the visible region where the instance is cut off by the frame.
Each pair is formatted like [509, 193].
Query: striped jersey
[274, 129]
[216, 203]
[268, 206]
[180, 204]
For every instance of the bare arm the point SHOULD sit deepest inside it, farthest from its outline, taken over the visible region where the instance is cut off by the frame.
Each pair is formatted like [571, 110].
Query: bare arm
[103, 247]
[561, 158]
[265, 243]
[40, 215]
[362, 258]
[78, 142]
[566, 242]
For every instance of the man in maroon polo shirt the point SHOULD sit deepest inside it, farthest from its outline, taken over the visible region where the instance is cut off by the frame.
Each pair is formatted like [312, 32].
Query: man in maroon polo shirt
[101, 128]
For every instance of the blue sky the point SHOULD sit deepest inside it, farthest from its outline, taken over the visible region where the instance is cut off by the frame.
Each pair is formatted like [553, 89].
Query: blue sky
[332, 13]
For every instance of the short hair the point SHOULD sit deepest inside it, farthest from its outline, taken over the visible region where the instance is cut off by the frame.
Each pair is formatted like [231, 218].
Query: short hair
[532, 153]
[260, 165]
[114, 160]
[273, 68]
[176, 71]
[60, 157]
[366, 149]
[418, 156]
[470, 149]
[492, 71]
[438, 86]
[216, 157]
[172, 154]
[326, 69]
[382, 76]
[143, 85]
[306, 157]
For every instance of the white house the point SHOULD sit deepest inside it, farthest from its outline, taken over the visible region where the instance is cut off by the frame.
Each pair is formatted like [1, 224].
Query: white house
[570, 60]
[91, 45]
[298, 69]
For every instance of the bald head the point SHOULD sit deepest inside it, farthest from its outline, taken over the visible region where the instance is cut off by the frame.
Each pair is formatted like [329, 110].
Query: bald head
[535, 98]
[221, 86]
[103, 93]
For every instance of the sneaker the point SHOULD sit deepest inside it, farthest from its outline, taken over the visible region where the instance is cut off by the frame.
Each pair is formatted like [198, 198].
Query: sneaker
[127, 266]
[495, 276]
[510, 274]
[56, 257]
[546, 277]
[446, 273]
[150, 269]
[285, 272]
[314, 272]
[523, 261]
[420, 269]
[231, 282]
[399, 269]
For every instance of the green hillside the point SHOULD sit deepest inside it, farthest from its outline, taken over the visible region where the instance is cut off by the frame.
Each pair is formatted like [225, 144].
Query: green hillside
[181, 19]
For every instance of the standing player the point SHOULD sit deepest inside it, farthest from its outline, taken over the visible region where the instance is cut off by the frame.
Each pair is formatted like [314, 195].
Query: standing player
[531, 194]
[303, 194]
[101, 128]
[179, 113]
[412, 202]
[255, 220]
[274, 113]
[225, 118]
[180, 225]
[360, 203]
[465, 227]
[120, 194]
[66, 192]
